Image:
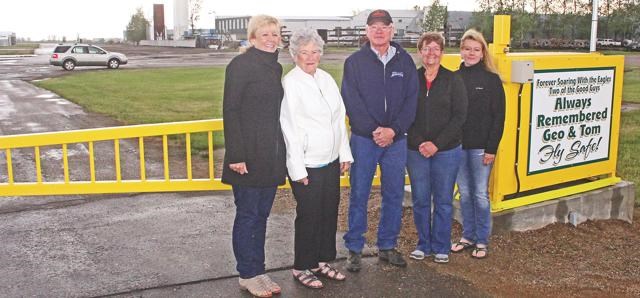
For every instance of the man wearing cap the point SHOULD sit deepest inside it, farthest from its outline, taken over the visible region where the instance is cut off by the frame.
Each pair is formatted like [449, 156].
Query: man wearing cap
[380, 90]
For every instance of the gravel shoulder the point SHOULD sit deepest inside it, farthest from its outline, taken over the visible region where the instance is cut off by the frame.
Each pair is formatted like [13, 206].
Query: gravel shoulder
[594, 259]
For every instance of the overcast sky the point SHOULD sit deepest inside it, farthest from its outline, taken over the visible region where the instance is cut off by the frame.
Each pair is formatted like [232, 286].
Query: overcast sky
[39, 19]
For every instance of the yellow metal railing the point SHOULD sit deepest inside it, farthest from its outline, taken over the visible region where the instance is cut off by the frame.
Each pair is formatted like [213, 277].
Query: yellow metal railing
[11, 187]
[114, 135]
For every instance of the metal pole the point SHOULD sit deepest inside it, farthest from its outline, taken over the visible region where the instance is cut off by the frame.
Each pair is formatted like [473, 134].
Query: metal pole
[594, 26]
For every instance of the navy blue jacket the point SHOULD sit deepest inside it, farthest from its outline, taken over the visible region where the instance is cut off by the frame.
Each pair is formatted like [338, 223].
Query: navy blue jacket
[378, 95]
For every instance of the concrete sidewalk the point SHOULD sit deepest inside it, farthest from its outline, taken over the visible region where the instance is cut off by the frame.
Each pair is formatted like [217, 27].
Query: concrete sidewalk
[167, 245]
[375, 280]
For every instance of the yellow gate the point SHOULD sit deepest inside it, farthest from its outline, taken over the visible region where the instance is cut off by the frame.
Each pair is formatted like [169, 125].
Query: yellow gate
[113, 135]
[61, 141]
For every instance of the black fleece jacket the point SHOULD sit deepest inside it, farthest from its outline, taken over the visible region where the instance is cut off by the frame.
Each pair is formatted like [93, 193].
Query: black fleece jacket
[251, 111]
[441, 111]
[485, 119]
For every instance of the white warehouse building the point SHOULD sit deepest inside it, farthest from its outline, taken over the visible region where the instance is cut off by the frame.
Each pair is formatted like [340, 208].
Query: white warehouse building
[7, 38]
[348, 30]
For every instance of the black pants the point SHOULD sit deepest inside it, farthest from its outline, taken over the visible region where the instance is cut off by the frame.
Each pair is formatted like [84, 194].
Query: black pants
[316, 216]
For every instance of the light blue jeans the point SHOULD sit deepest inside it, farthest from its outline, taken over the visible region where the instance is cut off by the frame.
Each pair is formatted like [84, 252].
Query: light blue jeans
[367, 155]
[473, 181]
[433, 179]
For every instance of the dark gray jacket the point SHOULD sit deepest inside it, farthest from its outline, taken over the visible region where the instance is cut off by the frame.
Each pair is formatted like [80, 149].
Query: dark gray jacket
[485, 119]
[441, 111]
[251, 111]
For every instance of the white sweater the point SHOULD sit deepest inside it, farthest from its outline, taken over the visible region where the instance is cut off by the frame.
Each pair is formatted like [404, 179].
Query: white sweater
[312, 117]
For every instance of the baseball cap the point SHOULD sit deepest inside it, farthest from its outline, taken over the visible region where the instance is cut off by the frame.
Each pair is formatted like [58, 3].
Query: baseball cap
[379, 15]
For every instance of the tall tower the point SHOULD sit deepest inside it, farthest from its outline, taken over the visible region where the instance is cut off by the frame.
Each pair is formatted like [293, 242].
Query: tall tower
[158, 22]
[180, 18]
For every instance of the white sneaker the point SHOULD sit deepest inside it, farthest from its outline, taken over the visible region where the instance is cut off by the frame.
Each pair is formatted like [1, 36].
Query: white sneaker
[441, 258]
[417, 255]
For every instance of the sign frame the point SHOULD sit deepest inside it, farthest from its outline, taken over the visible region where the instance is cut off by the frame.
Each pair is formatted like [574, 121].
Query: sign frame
[610, 106]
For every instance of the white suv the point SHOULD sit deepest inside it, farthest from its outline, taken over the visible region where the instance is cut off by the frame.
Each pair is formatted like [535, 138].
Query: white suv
[608, 42]
[70, 56]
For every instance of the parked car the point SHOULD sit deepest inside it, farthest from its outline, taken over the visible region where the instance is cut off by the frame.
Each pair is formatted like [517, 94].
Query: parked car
[634, 46]
[72, 55]
[608, 42]
[243, 46]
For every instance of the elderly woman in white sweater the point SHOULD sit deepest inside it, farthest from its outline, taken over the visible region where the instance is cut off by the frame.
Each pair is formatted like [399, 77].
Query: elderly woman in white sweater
[313, 123]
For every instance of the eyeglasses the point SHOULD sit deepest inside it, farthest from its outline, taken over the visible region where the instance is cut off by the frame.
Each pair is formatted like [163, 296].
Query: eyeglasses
[380, 28]
[309, 53]
[432, 50]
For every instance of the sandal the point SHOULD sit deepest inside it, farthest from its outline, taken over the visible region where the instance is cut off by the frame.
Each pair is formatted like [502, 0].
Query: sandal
[307, 279]
[255, 286]
[461, 246]
[476, 250]
[329, 272]
[271, 285]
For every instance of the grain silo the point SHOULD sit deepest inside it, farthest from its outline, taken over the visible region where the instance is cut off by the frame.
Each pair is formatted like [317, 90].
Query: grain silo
[180, 18]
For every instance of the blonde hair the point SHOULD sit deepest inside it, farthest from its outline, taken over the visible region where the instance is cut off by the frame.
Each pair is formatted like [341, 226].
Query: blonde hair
[474, 35]
[259, 21]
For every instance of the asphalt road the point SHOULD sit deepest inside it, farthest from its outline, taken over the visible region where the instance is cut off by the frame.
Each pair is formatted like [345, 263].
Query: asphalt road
[36, 67]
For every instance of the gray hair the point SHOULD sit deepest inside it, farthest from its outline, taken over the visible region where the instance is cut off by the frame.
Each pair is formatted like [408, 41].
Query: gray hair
[303, 37]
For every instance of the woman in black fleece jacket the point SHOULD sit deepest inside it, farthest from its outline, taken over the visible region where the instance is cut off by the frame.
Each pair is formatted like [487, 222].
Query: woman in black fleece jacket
[254, 159]
[434, 149]
[481, 135]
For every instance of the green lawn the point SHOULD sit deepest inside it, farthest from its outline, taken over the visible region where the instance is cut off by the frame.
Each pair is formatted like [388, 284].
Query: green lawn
[631, 89]
[621, 52]
[628, 158]
[148, 96]
[19, 49]
[151, 96]
[16, 51]
[145, 96]
[26, 46]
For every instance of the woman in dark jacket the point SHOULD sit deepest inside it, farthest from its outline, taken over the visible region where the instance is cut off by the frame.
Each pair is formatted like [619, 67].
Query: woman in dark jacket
[434, 149]
[481, 135]
[254, 161]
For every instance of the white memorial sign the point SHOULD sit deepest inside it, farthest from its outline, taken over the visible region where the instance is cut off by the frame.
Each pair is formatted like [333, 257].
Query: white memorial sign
[570, 118]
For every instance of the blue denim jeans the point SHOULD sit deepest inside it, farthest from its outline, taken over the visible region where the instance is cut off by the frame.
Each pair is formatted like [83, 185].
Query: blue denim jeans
[253, 205]
[473, 181]
[392, 159]
[433, 179]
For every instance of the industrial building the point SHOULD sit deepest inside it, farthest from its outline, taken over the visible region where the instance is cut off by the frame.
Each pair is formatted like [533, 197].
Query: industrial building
[343, 30]
[7, 38]
[335, 30]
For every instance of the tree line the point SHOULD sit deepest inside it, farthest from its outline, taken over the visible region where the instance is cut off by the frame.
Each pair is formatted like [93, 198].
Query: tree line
[564, 19]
